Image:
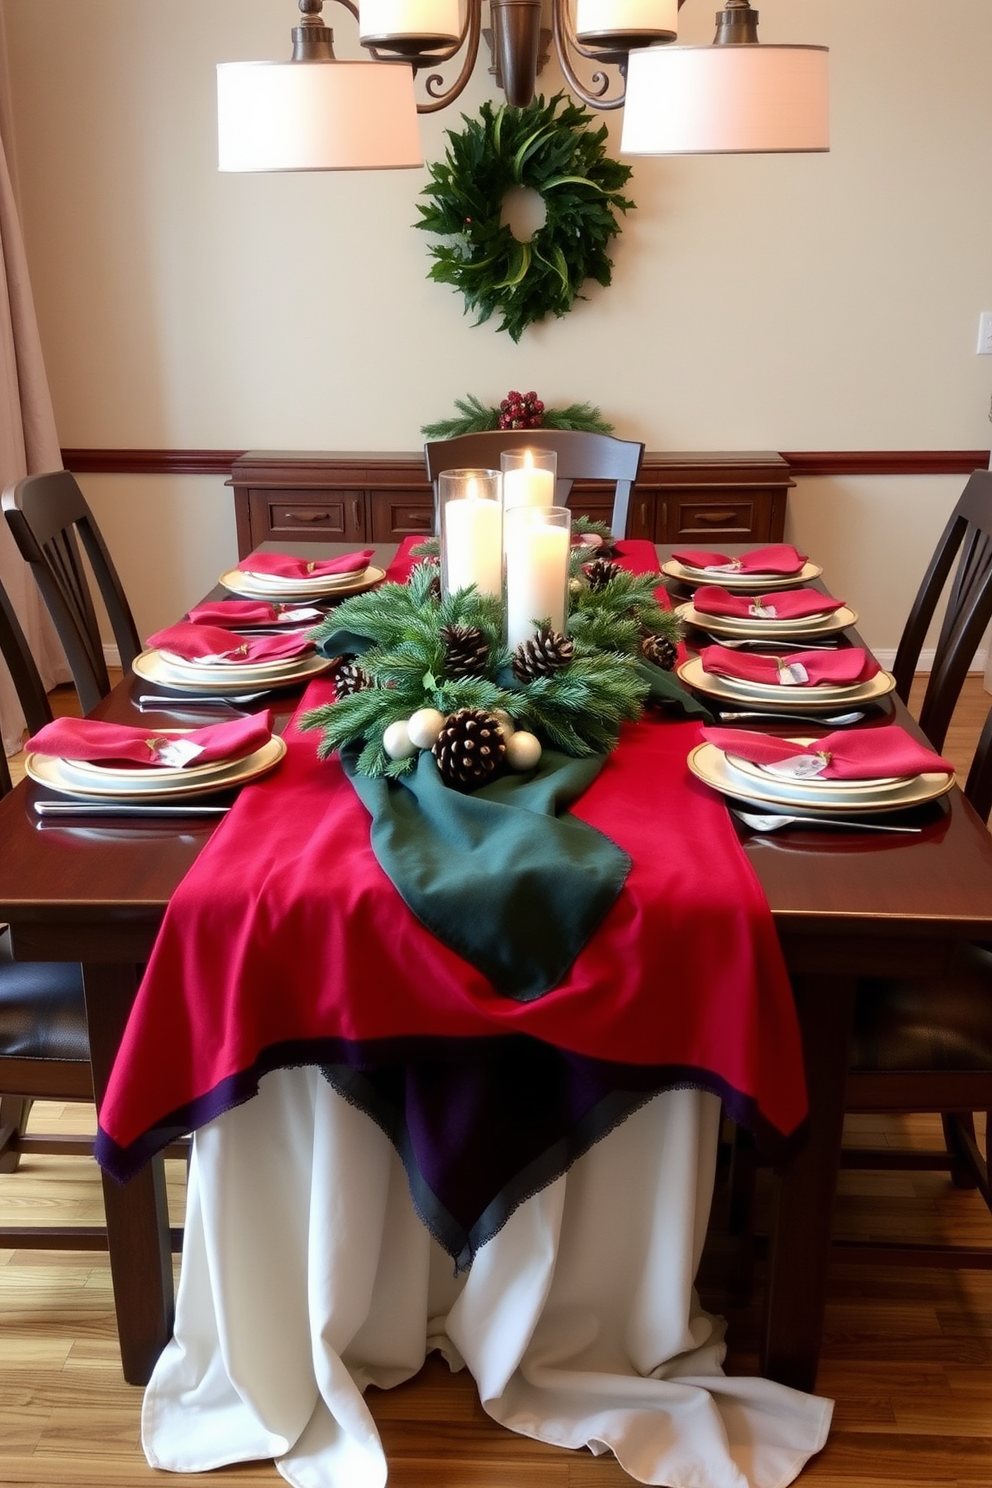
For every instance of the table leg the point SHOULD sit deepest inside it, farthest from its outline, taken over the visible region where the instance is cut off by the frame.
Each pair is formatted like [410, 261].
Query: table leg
[800, 1243]
[137, 1213]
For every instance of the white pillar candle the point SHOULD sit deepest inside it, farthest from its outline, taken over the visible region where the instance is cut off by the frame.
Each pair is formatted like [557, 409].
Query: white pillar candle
[472, 546]
[528, 478]
[537, 547]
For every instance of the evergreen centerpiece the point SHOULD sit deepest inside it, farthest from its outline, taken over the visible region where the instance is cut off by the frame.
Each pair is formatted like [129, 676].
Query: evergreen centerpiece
[436, 673]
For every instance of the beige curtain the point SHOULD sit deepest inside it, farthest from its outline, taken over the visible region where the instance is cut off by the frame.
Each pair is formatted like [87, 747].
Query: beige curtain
[28, 441]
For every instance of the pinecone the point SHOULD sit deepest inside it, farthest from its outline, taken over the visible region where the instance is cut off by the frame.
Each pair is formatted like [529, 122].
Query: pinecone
[521, 411]
[661, 651]
[434, 589]
[542, 656]
[600, 571]
[465, 650]
[348, 676]
[469, 749]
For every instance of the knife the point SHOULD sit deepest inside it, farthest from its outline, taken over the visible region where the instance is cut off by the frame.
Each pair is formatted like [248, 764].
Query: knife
[123, 808]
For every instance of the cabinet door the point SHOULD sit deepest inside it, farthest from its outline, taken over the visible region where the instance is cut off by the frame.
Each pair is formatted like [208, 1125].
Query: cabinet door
[328, 516]
[399, 514]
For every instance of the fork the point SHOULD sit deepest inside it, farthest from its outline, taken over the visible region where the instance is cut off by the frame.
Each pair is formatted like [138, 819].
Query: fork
[795, 643]
[775, 823]
[836, 719]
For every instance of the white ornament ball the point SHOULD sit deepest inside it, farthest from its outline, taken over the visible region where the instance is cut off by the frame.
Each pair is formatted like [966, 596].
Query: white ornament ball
[396, 741]
[423, 727]
[523, 750]
[506, 723]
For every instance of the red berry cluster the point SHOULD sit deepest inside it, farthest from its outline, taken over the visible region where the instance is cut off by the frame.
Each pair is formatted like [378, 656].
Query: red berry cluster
[521, 411]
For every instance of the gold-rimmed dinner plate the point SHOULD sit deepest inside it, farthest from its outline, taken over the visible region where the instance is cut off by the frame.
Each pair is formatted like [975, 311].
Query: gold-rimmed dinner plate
[816, 785]
[251, 586]
[737, 580]
[711, 765]
[106, 772]
[152, 667]
[782, 699]
[784, 630]
[204, 669]
[58, 775]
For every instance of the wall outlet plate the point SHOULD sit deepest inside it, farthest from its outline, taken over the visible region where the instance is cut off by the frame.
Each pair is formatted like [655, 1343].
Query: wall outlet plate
[984, 347]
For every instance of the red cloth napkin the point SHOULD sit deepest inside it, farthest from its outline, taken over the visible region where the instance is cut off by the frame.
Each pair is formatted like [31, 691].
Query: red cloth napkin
[226, 647]
[285, 566]
[233, 613]
[789, 604]
[777, 558]
[851, 754]
[847, 665]
[91, 739]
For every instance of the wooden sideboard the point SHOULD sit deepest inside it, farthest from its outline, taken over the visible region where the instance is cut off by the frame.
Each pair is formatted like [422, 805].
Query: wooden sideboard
[282, 495]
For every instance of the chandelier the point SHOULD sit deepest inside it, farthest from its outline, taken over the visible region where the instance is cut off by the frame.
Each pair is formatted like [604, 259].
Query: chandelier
[317, 113]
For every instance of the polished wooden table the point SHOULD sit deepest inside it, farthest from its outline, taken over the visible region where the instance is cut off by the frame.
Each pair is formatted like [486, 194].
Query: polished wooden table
[845, 904]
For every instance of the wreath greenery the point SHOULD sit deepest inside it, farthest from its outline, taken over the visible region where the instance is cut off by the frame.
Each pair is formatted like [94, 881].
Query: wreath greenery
[396, 630]
[547, 147]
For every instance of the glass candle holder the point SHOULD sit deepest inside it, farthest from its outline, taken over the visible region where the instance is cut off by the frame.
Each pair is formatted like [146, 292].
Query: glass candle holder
[471, 529]
[529, 477]
[537, 541]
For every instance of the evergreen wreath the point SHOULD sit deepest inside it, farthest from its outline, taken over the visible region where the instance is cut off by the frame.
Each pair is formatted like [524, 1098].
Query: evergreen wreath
[547, 147]
[399, 631]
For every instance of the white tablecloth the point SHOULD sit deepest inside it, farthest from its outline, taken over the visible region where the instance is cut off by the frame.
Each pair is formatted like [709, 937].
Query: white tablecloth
[307, 1276]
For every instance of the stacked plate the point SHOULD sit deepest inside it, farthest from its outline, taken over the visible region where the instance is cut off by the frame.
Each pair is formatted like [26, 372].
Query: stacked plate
[803, 699]
[760, 785]
[226, 676]
[739, 581]
[318, 586]
[105, 782]
[787, 628]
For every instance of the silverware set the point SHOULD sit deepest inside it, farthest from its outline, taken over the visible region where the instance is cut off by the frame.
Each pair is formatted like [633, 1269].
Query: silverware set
[759, 822]
[67, 810]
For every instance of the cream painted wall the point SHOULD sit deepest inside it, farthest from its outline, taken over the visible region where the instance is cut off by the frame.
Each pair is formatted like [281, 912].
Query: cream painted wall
[808, 302]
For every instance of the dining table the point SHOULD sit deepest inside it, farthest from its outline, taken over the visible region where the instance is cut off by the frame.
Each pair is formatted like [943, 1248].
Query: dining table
[845, 905]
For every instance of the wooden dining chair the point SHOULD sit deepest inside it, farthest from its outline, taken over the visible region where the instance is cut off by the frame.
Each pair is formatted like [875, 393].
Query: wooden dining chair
[44, 1049]
[53, 528]
[581, 456]
[44, 1044]
[924, 1044]
[961, 567]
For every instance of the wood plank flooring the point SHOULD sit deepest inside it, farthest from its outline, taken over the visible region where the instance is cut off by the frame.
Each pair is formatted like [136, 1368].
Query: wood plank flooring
[907, 1354]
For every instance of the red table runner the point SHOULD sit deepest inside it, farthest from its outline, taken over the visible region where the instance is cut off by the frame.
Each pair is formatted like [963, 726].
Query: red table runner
[286, 944]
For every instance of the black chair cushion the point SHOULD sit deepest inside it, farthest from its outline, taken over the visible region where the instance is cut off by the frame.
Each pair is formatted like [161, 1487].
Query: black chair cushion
[939, 1023]
[42, 1012]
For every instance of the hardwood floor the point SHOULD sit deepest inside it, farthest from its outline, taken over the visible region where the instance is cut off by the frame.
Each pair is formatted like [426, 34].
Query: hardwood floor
[907, 1354]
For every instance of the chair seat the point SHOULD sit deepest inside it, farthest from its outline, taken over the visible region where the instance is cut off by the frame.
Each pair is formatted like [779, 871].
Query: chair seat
[941, 1023]
[42, 1011]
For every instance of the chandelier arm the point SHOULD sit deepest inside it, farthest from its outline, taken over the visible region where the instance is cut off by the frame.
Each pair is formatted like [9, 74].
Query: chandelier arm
[348, 5]
[470, 38]
[566, 41]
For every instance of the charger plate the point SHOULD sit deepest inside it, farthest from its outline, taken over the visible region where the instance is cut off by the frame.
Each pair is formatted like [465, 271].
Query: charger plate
[809, 625]
[740, 582]
[710, 765]
[59, 775]
[152, 667]
[782, 699]
[254, 586]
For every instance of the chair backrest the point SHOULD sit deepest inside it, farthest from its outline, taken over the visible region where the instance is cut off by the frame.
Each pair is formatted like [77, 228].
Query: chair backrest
[581, 456]
[25, 676]
[50, 519]
[966, 548]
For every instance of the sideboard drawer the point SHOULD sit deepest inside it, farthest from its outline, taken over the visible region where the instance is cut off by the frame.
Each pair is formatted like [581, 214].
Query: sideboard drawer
[696, 518]
[326, 516]
[401, 514]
